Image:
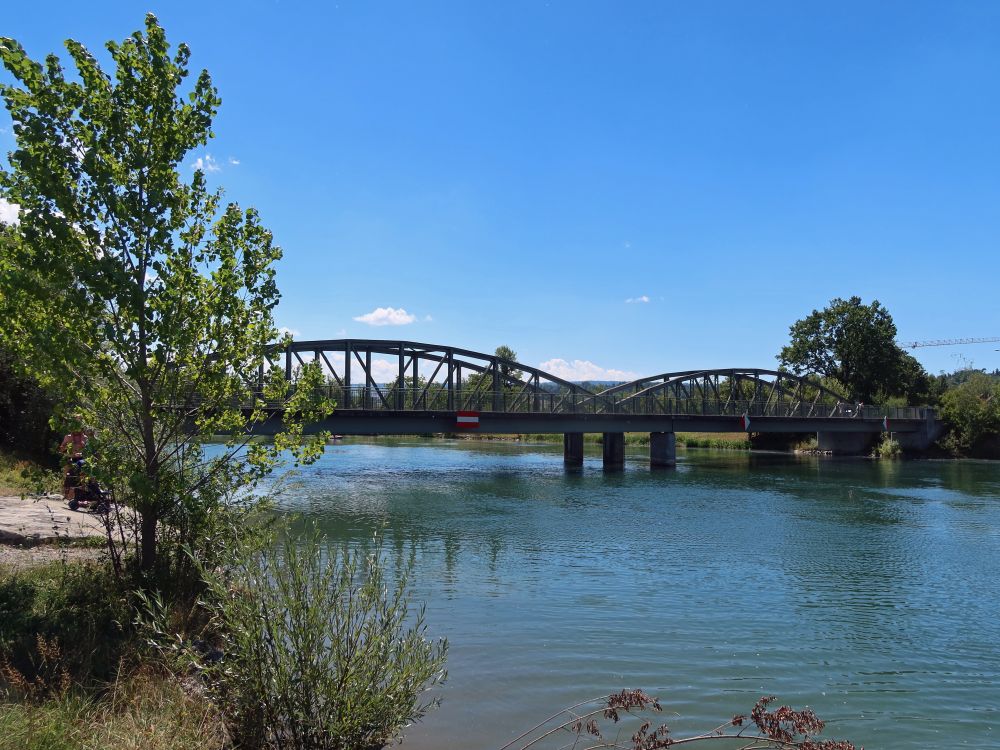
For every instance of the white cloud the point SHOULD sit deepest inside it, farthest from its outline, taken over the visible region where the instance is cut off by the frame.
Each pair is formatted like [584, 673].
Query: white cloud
[386, 316]
[206, 163]
[383, 371]
[282, 330]
[9, 212]
[428, 319]
[234, 162]
[581, 369]
[634, 300]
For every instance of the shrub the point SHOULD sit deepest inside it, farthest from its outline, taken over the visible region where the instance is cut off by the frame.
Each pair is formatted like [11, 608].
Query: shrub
[808, 445]
[320, 650]
[887, 448]
[76, 606]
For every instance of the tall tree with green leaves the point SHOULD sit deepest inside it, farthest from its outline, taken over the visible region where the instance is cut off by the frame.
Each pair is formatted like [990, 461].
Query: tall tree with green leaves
[133, 293]
[972, 412]
[855, 344]
[507, 372]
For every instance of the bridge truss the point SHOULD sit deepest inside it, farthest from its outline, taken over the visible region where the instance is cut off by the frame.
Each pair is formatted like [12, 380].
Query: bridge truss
[398, 376]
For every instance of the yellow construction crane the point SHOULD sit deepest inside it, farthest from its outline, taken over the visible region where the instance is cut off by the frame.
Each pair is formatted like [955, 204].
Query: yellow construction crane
[947, 342]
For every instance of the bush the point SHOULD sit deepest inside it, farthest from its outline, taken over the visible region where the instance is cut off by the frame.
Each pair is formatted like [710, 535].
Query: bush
[887, 448]
[320, 651]
[76, 607]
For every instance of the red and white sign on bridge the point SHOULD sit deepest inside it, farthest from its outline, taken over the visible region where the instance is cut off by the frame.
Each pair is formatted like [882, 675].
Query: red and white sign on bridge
[468, 420]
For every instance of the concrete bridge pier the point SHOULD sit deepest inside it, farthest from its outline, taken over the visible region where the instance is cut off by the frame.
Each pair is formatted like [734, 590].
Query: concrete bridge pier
[614, 451]
[662, 450]
[573, 449]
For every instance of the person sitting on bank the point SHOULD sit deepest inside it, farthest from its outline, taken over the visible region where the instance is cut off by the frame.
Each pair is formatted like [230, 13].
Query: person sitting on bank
[71, 448]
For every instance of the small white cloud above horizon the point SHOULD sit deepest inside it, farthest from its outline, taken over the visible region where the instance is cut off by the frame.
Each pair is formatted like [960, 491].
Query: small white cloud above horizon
[384, 371]
[387, 316]
[636, 300]
[581, 369]
[234, 161]
[9, 212]
[206, 163]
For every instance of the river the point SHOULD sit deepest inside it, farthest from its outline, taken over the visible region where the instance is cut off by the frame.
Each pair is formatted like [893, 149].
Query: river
[867, 590]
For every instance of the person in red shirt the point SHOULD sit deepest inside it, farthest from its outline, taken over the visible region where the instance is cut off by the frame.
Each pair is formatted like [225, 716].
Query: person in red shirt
[71, 448]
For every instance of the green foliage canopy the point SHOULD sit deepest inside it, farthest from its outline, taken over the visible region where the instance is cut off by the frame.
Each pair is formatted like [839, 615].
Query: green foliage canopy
[972, 411]
[484, 381]
[854, 344]
[135, 295]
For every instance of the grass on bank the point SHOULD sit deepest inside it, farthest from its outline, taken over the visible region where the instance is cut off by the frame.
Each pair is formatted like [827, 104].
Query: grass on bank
[91, 661]
[148, 709]
[20, 476]
[71, 675]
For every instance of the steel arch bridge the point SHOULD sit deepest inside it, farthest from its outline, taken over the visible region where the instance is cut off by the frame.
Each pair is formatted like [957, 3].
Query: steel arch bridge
[754, 390]
[373, 375]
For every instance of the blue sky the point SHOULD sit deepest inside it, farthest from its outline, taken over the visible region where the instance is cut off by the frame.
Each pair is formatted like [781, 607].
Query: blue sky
[638, 186]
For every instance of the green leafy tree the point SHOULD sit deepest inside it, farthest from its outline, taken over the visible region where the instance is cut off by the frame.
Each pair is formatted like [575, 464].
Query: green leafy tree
[484, 381]
[972, 412]
[855, 344]
[133, 294]
[25, 409]
[508, 371]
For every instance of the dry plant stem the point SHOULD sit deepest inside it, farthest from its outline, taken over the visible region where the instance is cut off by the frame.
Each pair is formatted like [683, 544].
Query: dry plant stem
[564, 726]
[556, 715]
[778, 729]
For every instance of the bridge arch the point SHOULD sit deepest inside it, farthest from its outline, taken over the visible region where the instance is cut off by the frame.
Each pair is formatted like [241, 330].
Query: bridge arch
[427, 376]
[729, 391]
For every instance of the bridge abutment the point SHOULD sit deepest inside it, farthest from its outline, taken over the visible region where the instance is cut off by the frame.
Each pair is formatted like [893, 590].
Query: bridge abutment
[923, 438]
[573, 449]
[662, 450]
[614, 451]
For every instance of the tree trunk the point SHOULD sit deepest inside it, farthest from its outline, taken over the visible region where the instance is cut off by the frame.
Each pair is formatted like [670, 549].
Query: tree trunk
[147, 559]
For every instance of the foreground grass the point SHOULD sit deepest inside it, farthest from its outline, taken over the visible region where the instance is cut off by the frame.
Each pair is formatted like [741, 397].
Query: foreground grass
[73, 676]
[149, 709]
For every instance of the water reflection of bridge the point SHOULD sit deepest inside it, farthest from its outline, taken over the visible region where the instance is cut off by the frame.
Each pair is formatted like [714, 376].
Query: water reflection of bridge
[408, 388]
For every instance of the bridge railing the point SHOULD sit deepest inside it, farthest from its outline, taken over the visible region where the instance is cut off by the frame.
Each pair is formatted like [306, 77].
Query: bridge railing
[438, 398]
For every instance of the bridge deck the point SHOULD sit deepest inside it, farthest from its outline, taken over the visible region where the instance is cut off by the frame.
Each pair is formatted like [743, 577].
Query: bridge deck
[420, 422]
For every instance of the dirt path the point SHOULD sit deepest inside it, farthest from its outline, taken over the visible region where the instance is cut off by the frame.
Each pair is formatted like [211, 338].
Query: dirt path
[19, 558]
[35, 531]
[32, 521]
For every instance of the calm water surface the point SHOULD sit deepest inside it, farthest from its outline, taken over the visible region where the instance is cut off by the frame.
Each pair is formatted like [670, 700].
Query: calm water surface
[867, 590]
